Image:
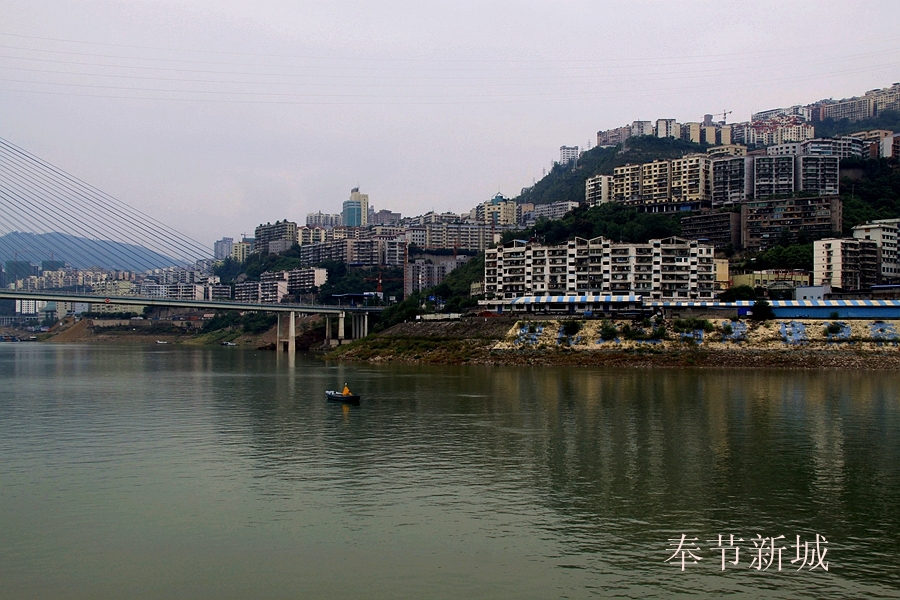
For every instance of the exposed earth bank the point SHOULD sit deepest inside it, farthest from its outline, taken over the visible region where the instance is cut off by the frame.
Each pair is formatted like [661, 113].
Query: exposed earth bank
[801, 344]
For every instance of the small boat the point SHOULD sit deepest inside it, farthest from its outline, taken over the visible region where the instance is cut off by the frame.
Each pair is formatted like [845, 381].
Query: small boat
[161, 342]
[339, 397]
[229, 344]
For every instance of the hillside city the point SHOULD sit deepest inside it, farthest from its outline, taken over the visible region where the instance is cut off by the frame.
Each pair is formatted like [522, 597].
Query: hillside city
[659, 210]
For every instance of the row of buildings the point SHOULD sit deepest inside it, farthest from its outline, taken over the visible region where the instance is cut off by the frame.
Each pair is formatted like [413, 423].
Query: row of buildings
[661, 269]
[275, 287]
[727, 176]
[765, 128]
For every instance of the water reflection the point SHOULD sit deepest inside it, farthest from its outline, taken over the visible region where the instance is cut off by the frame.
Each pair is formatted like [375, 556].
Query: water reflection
[561, 481]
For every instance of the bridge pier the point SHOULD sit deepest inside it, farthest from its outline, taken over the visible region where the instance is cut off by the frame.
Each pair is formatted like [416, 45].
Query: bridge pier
[341, 328]
[286, 342]
[292, 334]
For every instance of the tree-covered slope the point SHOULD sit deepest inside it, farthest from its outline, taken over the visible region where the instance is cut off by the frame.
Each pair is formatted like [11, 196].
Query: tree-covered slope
[565, 183]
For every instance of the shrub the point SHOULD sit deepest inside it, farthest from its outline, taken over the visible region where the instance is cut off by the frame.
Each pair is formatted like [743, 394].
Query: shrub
[833, 328]
[571, 327]
[762, 311]
[608, 330]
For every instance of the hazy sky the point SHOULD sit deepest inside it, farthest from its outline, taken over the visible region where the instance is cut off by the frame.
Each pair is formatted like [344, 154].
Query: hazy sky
[216, 115]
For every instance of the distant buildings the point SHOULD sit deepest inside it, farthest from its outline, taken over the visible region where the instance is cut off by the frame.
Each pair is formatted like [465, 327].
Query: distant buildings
[356, 210]
[598, 190]
[720, 229]
[320, 219]
[767, 223]
[845, 263]
[567, 154]
[222, 248]
[279, 234]
[424, 273]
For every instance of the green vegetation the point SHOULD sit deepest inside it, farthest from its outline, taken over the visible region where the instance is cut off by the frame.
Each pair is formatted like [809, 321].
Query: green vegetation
[566, 184]
[875, 194]
[608, 330]
[611, 220]
[740, 292]
[692, 324]
[833, 328]
[251, 322]
[889, 119]
[571, 327]
[762, 311]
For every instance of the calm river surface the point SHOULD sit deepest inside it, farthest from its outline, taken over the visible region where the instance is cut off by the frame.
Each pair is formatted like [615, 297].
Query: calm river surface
[175, 472]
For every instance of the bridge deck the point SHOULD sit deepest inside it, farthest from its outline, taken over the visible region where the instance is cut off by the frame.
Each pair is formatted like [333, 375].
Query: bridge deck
[198, 304]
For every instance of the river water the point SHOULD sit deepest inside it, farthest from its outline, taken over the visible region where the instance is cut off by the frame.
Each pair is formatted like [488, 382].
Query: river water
[175, 472]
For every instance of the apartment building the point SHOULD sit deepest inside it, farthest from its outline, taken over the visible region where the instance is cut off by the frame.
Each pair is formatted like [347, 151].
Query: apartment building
[613, 137]
[884, 233]
[767, 223]
[691, 132]
[320, 219]
[302, 281]
[668, 128]
[732, 180]
[567, 154]
[664, 183]
[240, 251]
[598, 190]
[845, 263]
[279, 231]
[818, 175]
[355, 212]
[671, 268]
[422, 273]
[717, 228]
[222, 248]
[372, 252]
[690, 179]
[499, 210]
[641, 128]
[554, 210]
[773, 176]
[852, 109]
[627, 183]
[312, 234]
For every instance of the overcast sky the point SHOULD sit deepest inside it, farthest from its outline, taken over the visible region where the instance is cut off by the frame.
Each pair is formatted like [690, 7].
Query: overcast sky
[216, 115]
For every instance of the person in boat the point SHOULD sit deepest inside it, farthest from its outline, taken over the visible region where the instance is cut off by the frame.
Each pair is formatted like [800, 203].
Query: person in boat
[346, 391]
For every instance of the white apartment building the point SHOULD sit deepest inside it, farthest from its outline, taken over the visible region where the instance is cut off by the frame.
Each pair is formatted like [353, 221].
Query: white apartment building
[664, 269]
[312, 234]
[668, 128]
[641, 128]
[845, 263]
[555, 210]
[884, 233]
[598, 190]
[567, 154]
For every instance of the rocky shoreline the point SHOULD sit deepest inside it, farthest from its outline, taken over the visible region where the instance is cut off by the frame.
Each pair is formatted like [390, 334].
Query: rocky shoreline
[799, 344]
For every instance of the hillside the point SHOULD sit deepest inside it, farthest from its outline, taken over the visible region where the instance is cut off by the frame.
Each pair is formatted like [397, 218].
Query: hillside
[889, 119]
[566, 184]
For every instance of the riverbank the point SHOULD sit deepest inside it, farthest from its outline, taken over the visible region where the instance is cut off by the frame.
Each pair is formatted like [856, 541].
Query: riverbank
[803, 344]
[150, 332]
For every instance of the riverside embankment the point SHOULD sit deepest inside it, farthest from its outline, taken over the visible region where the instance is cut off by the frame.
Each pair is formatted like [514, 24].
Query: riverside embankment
[807, 344]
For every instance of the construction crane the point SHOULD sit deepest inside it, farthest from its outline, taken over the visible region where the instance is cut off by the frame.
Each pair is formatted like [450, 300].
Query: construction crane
[724, 114]
[379, 279]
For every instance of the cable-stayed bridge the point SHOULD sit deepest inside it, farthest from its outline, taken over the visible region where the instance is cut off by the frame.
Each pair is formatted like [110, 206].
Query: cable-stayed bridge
[49, 216]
